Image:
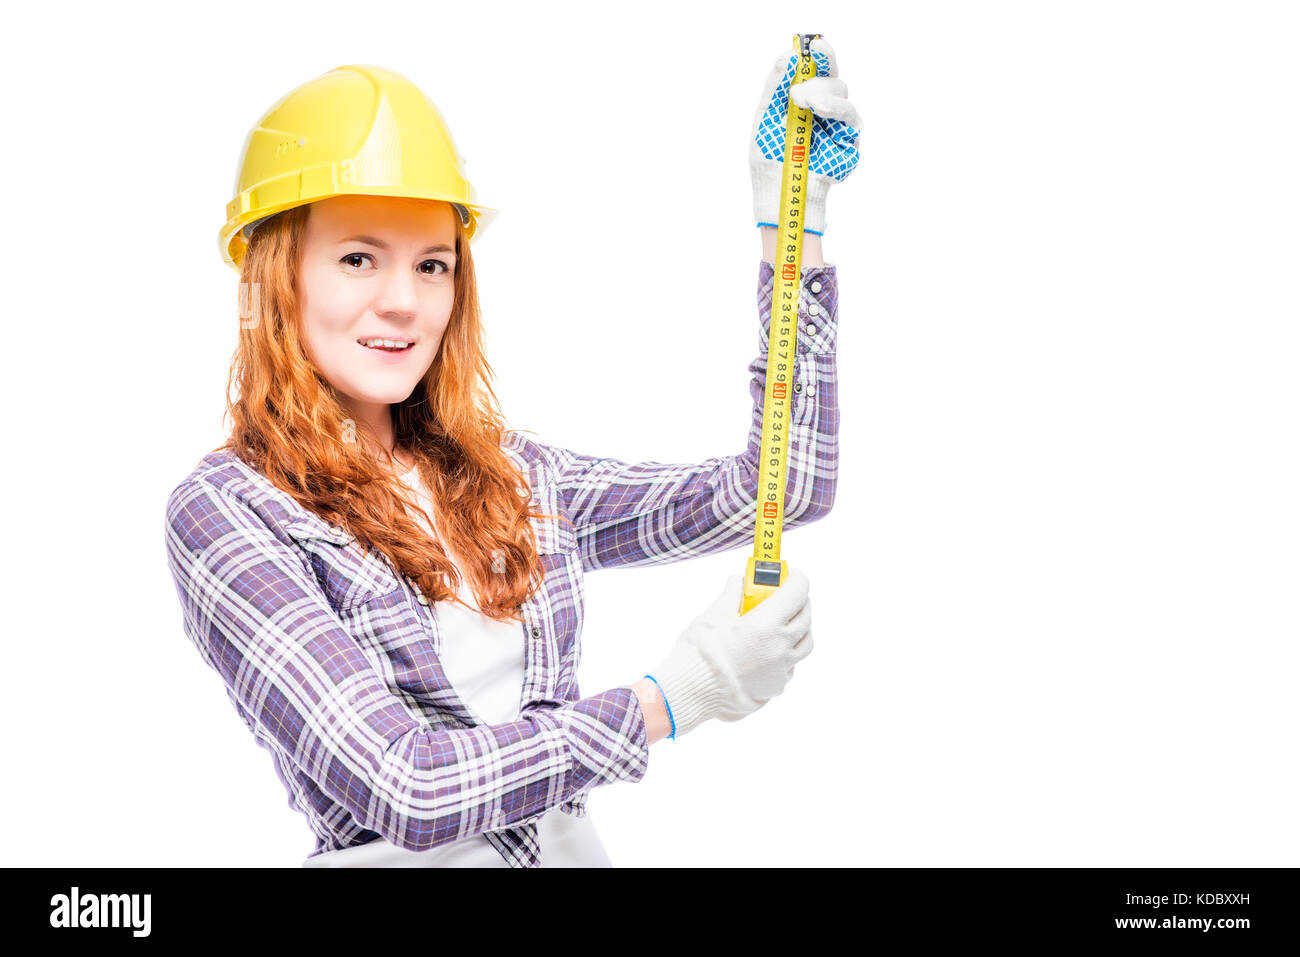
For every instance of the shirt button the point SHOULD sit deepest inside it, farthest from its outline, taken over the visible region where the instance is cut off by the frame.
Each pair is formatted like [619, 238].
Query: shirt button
[812, 330]
[815, 286]
[813, 308]
[537, 632]
[798, 387]
[422, 599]
[812, 391]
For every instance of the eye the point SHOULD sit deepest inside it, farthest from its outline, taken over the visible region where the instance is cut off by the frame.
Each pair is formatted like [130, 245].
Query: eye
[427, 262]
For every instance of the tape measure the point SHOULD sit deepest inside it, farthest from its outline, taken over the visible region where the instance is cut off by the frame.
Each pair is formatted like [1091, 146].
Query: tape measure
[765, 570]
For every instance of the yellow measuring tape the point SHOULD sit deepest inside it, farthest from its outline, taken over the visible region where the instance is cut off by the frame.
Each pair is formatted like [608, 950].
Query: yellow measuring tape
[765, 570]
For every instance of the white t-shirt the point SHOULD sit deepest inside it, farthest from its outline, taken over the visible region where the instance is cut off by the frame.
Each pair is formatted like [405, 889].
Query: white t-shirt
[484, 660]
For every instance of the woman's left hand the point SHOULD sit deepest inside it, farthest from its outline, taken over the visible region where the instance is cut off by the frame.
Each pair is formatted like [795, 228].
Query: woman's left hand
[834, 152]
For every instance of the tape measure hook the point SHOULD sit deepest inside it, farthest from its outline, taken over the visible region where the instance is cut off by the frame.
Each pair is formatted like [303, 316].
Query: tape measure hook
[805, 43]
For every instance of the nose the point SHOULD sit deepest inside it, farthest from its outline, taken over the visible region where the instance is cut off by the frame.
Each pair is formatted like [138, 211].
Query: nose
[397, 296]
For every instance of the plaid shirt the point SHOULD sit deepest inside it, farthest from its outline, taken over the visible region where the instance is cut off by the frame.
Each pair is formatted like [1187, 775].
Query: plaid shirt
[331, 657]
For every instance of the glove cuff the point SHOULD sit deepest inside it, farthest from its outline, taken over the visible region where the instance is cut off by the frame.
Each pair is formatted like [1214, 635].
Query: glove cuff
[765, 176]
[690, 687]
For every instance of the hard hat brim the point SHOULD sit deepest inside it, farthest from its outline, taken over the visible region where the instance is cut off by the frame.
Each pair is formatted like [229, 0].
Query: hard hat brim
[233, 240]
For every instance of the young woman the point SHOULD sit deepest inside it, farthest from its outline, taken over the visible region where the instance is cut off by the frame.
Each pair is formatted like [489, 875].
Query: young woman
[387, 580]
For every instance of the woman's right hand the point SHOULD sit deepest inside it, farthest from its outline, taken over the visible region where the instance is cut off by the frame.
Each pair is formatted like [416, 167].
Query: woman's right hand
[726, 665]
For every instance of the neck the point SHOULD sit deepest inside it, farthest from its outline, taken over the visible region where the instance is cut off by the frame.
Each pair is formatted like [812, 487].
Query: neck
[378, 422]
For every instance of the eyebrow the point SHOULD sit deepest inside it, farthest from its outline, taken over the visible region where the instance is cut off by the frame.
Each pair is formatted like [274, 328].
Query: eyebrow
[372, 241]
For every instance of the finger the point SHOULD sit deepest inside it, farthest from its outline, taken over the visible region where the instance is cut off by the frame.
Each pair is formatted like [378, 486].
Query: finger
[826, 96]
[826, 61]
[802, 648]
[798, 626]
[769, 115]
[779, 77]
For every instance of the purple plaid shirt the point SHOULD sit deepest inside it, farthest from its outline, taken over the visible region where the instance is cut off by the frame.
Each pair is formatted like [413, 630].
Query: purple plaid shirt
[331, 657]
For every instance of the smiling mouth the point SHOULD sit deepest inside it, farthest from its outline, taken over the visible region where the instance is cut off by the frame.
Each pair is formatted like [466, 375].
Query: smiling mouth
[386, 345]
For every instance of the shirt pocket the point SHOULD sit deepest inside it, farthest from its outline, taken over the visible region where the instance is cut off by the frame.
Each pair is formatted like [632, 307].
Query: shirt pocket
[348, 575]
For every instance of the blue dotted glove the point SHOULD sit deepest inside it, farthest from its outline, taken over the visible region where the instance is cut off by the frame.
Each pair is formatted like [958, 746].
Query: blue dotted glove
[834, 151]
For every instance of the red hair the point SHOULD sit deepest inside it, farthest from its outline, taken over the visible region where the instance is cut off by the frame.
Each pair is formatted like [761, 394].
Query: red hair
[289, 424]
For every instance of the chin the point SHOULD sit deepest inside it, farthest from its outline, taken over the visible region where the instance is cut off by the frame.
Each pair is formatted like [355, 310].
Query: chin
[389, 396]
[367, 390]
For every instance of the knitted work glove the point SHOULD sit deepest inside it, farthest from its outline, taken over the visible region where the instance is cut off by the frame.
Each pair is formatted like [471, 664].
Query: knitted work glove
[834, 152]
[726, 665]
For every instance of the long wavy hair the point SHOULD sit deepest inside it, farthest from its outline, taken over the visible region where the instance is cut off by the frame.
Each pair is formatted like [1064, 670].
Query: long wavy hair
[289, 424]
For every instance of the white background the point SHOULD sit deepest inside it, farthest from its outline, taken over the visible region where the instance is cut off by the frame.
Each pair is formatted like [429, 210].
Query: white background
[1055, 605]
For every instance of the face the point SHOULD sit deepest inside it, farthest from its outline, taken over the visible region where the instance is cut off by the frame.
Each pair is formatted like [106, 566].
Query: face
[376, 268]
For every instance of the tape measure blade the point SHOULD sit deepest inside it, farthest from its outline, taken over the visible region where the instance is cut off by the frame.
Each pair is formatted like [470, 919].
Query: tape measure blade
[783, 327]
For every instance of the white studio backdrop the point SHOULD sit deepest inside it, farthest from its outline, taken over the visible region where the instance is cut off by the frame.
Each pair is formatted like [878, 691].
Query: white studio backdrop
[1055, 605]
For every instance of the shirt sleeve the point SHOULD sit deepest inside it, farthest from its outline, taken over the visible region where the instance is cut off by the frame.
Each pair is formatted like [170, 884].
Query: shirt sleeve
[650, 513]
[257, 615]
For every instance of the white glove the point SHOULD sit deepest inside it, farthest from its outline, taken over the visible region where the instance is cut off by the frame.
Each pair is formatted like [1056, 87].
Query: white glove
[833, 153]
[726, 665]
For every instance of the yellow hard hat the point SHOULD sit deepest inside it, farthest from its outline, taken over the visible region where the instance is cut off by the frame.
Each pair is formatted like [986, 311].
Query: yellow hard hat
[356, 129]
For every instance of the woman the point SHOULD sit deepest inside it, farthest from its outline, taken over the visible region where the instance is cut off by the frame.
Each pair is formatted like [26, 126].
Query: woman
[390, 583]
